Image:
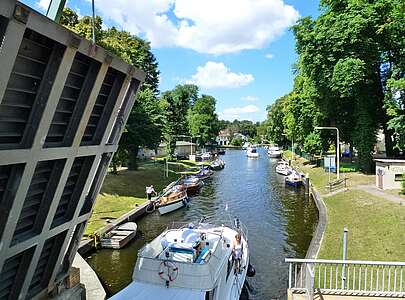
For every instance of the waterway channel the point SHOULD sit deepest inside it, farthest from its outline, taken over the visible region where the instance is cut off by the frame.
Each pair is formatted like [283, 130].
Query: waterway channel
[280, 221]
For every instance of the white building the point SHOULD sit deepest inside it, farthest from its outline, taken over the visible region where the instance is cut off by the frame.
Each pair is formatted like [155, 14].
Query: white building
[223, 138]
[389, 173]
[182, 148]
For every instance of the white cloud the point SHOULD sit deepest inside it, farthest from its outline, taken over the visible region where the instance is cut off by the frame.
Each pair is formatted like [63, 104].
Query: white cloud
[249, 98]
[269, 55]
[232, 113]
[206, 26]
[217, 75]
[43, 4]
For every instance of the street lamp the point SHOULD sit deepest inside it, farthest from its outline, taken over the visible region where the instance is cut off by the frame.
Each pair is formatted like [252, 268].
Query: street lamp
[337, 146]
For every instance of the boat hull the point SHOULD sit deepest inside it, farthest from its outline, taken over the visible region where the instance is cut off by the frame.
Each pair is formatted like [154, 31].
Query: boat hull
[274, 155]
[293, 183]
[172, 206]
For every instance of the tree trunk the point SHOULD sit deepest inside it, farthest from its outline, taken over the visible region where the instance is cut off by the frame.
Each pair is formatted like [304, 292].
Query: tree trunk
[132, 157]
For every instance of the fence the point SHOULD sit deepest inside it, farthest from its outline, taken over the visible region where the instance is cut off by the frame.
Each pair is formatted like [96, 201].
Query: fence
[371, 278]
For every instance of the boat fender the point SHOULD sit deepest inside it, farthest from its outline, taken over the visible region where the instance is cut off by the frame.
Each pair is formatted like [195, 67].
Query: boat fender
[251, 271]
[168, 271]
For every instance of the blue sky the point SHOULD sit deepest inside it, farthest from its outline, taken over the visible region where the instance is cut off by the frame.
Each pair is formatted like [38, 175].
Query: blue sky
[239, 51]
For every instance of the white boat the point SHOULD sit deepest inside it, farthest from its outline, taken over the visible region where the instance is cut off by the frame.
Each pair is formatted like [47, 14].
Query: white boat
[283, 169]
[206, 156]
[174, 199]
[190, 262]
[294, 179]
[120, 236]
[252, 152]
[217, 164]
[274, 151]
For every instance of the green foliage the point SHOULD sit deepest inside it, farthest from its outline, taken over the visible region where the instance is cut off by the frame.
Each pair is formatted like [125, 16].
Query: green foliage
[313, 143]
[202, 120]
[175, 105]
[237, 142]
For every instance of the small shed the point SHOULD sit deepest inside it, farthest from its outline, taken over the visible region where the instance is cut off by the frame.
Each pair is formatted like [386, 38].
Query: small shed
[389, 173]
[183, 148]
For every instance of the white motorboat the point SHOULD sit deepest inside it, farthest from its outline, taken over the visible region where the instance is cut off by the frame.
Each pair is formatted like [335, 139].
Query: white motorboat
[190, 262]
[294, 179]
[206, 156]
[217, 164]
[274, 151]
[283, 169]
[252, 152]
[174, 199]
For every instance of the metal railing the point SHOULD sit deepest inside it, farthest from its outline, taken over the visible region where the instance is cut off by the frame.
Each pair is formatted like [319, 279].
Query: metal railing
[346, 277]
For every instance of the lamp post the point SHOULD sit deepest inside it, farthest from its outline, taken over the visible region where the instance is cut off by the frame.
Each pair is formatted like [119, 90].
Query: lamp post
[337, 146]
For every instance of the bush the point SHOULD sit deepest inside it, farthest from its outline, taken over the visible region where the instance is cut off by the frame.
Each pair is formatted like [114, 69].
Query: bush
[236, 142]
[403, 184]
[347, 170]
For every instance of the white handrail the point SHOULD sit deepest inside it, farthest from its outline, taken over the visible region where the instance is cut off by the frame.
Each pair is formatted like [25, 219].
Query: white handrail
[345, 262]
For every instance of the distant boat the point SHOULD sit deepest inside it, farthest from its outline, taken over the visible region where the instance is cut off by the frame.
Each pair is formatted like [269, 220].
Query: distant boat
[217, 165]
[204, 173]
[252, 152]
[206, 156]
[294, 179]
[221, 151]
[283, 168]
[274, 151]
[120, 236]
[172, 200]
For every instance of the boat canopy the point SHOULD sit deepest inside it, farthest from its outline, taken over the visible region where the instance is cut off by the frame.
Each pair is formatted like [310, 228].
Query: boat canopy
[142, 291]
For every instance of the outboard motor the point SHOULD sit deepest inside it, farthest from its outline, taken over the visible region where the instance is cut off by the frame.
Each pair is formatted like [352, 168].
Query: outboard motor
[251, 271]
[236, 221]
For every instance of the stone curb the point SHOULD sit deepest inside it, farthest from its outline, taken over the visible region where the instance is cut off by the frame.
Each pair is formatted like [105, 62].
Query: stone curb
[316, 242]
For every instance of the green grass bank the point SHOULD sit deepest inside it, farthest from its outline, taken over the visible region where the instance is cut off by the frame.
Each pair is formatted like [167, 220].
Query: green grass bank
[376, 225]
[125, 191]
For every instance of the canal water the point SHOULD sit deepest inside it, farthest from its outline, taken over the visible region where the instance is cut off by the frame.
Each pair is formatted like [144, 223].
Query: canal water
[280, 221]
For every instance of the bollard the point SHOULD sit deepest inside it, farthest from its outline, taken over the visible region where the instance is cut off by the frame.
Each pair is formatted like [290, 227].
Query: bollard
[307, 184]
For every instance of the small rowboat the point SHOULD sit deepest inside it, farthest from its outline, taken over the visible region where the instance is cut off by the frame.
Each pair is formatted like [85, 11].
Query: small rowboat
[120, 236]
[174, 199]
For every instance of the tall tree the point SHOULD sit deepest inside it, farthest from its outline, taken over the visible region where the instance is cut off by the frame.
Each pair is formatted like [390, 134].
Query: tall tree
[202, 119]
[175, 105]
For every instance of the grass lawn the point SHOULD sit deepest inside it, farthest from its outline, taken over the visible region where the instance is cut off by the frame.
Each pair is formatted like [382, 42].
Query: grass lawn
[376, 226]
[123, 192]
[396, 193]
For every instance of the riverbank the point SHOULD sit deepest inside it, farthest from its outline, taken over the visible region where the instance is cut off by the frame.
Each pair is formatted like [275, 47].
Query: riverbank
[375, 223]
[124, 192]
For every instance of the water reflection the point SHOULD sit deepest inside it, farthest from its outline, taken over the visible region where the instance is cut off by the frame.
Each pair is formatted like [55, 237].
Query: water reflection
[280, 221]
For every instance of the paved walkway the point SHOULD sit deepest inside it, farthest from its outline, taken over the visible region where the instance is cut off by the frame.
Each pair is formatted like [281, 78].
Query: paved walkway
[94, 289]
[372, 189]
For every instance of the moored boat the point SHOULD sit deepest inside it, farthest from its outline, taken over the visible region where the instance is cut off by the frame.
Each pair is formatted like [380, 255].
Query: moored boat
[120, 236]
[221, 151]
[294, 179]
[283, 169]
[251, 152]
[274, 151]
[174, 199]
[217, 165]
[204, 173]
[192, 185]
[193, 262]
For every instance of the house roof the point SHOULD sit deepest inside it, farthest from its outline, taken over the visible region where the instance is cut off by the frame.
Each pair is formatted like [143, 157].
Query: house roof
[224, 133]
